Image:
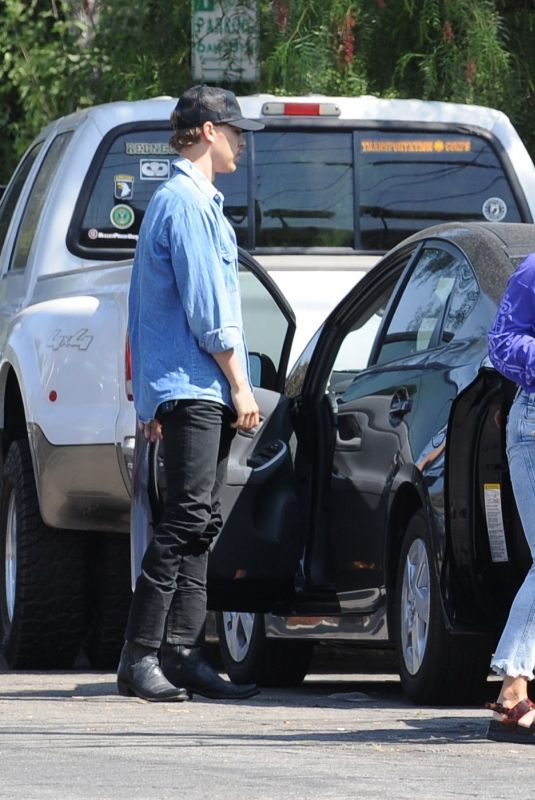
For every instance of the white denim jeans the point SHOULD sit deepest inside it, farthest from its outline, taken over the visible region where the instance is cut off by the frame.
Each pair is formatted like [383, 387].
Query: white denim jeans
[515, 654]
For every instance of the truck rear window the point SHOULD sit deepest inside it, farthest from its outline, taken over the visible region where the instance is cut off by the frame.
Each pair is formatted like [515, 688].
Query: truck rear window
[299, 189]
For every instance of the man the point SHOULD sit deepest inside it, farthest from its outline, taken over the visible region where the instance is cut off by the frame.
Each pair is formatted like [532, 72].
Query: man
[191, 388]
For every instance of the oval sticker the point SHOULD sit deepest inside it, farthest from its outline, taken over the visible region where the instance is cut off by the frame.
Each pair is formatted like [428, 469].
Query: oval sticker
[494, 209]
[122, 216]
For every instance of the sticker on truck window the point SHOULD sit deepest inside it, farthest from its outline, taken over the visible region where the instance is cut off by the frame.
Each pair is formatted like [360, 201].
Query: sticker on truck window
[122, 216]
[151, 169]
[123, 187]
[495, 527]
[416, 146]
[149, 149]
[494, 209]
[93, 234]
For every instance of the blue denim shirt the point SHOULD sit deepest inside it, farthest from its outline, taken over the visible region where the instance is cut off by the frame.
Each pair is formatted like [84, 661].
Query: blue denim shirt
[512, 336]
[184, 301]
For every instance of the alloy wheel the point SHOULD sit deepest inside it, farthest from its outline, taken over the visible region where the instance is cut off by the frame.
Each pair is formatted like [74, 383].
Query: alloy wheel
[238, 627]
[415, 606]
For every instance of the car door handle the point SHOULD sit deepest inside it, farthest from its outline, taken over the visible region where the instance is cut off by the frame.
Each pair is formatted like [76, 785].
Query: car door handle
[400, 405]
[348, 444]
[251, 432]
[349, 432]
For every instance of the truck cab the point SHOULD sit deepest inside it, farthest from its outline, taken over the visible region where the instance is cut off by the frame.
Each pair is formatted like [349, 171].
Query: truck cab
[321, 193]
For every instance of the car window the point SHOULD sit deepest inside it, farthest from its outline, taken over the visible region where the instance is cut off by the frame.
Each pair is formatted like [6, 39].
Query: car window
[461, 305]
[354, 352]
[303, 190]
[417, 320]
[126, 171]
[296, 189]
[264, 326]
[12, 193]
[36, 201]
[408, 181]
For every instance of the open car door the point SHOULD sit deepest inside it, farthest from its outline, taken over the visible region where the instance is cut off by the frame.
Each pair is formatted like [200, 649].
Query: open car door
[253, 562]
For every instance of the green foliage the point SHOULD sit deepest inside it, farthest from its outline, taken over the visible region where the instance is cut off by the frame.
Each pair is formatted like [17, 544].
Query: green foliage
[60, 55]
[43, 71]
[459, 53]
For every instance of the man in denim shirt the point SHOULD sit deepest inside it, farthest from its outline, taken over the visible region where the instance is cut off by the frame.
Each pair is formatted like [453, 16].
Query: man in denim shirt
[191, 387]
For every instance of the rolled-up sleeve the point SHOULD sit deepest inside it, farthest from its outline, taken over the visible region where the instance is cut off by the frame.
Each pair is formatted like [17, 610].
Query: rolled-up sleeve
[205, 280]
[512, 336]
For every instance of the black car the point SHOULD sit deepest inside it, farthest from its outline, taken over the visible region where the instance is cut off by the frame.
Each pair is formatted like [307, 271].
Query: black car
[372, 506]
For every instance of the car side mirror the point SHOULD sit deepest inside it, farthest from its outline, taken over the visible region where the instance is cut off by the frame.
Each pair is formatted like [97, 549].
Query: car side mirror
[263, 372]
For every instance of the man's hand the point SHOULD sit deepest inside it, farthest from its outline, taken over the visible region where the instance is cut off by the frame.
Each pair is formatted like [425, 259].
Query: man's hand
[247, 412]
[151, 430]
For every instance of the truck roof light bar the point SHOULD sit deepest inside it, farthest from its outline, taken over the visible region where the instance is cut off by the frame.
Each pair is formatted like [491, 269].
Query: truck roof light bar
[274, 109]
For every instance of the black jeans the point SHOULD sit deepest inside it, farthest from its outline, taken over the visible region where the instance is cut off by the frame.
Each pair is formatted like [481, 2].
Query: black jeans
[169, 602]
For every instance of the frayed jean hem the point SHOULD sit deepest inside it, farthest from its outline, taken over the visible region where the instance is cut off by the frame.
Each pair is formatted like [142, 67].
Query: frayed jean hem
[504, 670]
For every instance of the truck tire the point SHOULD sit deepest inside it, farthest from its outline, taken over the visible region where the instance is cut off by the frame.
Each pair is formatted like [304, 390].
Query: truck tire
[250, 657]
[111, 594]
[436, 667]
[43, 575]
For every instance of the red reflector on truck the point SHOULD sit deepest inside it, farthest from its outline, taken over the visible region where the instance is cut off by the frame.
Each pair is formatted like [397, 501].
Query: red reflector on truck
[128, 369]
[300, 109]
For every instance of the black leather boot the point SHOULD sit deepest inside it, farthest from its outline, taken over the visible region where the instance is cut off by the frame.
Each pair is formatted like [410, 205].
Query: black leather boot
[139, 675]
[187, 666]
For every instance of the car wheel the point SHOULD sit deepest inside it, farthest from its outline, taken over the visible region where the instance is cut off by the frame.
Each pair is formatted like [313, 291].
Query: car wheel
[111, 594]
[436, 667]
[43, 583]
[249, 657]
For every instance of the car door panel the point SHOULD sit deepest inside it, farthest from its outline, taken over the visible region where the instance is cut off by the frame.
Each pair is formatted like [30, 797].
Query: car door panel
[378, 407]
[389, 413]
[253, 562]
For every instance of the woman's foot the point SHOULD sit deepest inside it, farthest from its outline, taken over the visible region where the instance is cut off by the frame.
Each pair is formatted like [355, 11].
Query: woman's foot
[515, 711]
[512, 723]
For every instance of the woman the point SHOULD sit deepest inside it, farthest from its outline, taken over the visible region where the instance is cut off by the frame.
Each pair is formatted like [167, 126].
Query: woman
[512, 352]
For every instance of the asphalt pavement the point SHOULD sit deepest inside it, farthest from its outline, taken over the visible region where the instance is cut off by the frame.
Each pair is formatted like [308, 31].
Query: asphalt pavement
[341, 735]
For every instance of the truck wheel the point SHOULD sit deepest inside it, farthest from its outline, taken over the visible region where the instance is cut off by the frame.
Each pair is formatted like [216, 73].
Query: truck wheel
[249, 657]
[111, 594]
[436, 667]
[43, 582]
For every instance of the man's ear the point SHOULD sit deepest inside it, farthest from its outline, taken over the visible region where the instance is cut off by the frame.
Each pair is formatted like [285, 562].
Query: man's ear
[208, 131]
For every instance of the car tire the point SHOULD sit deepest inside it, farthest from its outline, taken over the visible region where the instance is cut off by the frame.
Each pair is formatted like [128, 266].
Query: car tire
[249, 657]
[111, 594]
[435, 666]
[43, 576]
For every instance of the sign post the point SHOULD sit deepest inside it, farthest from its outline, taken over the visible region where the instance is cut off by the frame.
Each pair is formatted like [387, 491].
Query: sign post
[224, 40]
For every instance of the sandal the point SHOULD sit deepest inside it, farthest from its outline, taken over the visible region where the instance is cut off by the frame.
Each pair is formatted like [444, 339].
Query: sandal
[508, 729]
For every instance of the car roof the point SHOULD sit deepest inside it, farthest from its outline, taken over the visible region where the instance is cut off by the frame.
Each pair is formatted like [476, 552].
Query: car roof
[494, 249]
[512, 234]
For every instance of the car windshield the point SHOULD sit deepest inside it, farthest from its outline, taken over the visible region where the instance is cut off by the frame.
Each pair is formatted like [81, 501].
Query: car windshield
[296, 189]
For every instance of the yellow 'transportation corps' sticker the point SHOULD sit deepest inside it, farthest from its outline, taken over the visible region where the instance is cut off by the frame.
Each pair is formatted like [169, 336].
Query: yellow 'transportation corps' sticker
[439, 146]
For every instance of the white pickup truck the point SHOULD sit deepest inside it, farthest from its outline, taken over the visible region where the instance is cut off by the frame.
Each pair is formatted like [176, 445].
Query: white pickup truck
[322, 191]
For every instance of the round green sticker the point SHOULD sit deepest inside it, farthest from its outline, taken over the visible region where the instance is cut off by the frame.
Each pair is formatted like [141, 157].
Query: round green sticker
[122, 216]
